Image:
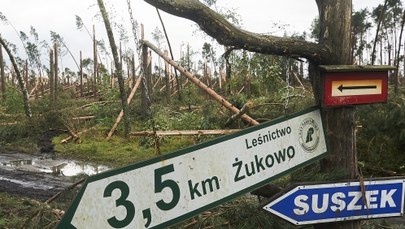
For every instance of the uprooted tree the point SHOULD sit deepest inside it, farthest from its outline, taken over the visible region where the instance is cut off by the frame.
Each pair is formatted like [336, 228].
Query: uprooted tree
[334, 48]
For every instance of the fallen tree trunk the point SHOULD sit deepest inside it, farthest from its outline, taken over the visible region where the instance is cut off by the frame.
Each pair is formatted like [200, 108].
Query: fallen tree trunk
[65, 140]
[182, 132]
[84, 117]
[201, 85]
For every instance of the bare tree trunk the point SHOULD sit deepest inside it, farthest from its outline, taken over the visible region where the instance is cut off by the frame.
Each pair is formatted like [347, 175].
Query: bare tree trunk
[95, 61]
[2, 76]
[380, 19]
[171, 53]
[133, 71]
[167, 78]
[396, 75]
[81, 74]
[118, 66]
[26, 75]
[56, 72]
[20, 80]
[144, 86]
[148, 72]
[51, 80]
[335, 23]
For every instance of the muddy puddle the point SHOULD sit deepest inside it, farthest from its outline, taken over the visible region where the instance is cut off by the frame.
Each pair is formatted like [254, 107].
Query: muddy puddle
[41, 176]
[48, 164]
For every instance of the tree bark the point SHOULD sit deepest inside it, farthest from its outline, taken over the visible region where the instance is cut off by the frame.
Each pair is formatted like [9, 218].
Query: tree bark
[118, 67]
[335, 27]
[227, 34]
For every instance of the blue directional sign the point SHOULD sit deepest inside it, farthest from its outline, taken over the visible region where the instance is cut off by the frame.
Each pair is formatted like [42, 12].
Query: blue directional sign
[321, 203]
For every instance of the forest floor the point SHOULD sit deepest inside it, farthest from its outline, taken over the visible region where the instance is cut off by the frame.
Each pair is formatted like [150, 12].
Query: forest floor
[28, 180]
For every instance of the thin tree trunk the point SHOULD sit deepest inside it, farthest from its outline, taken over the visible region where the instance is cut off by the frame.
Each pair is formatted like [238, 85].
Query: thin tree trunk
[396, 75]
[2, 76]
[171, 52]
[133, 69]
[145, 102]
[20, 80]
[378, 31]
[167, 79]
[81, 74]
[118, 67]
[95, 60]
[26, 75]
[51, 80]
[56, 72]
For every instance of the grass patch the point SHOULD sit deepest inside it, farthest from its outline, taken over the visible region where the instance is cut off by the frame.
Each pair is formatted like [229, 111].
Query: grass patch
[117, 152]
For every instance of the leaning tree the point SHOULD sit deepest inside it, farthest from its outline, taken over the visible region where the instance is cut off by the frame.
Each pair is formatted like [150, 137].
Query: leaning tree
[20, 80]
[333, 48]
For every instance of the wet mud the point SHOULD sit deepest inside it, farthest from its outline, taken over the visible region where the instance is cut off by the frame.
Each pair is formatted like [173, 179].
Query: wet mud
[41, 176]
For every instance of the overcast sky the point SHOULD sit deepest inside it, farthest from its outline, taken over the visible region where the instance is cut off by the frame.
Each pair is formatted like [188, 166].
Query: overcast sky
[59, 16]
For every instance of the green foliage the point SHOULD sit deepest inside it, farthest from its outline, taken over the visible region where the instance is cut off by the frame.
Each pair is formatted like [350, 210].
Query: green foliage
[191, 96]
[14, 101]
[381, 138]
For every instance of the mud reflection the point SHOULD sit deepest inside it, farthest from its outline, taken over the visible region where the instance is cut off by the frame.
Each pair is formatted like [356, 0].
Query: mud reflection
[53, 166]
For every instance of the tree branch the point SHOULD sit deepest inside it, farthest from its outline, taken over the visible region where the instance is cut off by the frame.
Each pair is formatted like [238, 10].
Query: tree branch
[227, 34]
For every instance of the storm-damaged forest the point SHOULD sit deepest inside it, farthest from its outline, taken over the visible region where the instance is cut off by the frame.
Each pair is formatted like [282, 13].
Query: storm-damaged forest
[130, 103]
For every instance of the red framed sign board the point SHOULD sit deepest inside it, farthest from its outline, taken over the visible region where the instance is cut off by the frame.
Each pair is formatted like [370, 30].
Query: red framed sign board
[350, 85]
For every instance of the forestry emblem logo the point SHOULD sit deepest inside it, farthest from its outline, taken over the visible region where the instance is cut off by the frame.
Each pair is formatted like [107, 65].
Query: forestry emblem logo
[309, 135]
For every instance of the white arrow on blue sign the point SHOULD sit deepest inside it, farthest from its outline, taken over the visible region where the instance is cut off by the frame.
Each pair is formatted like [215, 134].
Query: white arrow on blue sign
[322, 203]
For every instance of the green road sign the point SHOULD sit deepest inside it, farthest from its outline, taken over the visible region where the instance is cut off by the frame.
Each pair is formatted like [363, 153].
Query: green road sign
[171, 188]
